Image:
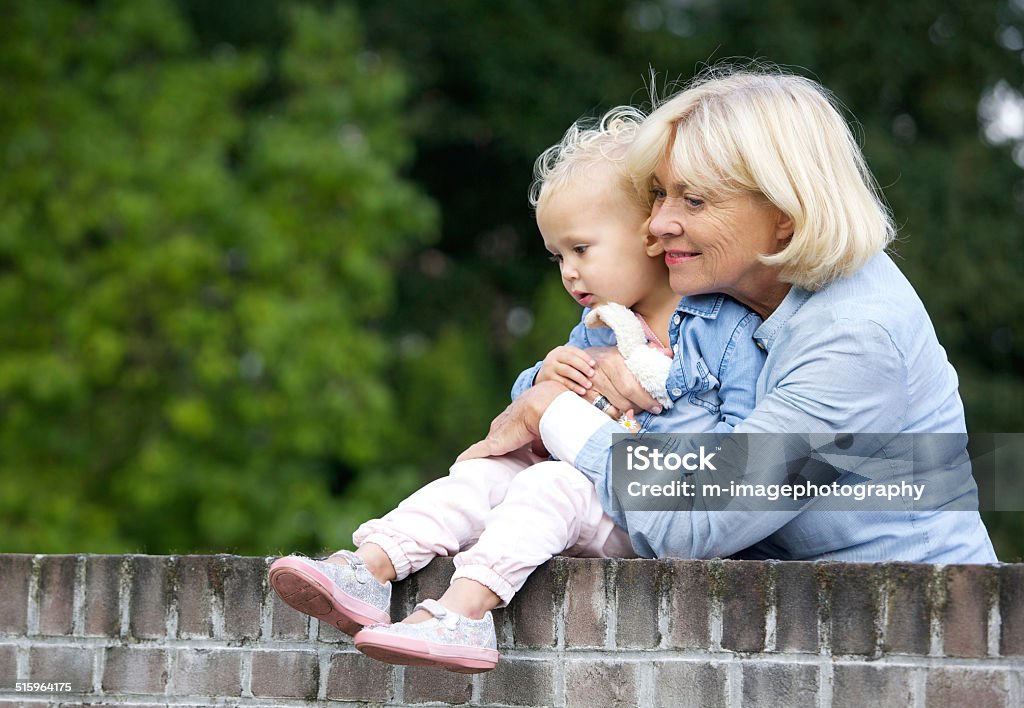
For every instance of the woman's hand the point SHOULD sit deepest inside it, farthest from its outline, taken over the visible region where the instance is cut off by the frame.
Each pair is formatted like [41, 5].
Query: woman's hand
[616, 383]
[517, 425]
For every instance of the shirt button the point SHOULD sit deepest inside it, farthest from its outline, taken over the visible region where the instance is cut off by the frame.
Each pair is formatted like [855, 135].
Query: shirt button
[677, 319]
[760, 345]
[677, 392]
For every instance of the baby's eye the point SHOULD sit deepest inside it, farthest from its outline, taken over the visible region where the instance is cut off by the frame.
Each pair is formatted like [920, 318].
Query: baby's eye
[555, 258]
[580, 249]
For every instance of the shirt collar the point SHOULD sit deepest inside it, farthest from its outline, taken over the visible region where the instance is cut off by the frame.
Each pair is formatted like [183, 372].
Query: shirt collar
[706, 306]
[765, 334]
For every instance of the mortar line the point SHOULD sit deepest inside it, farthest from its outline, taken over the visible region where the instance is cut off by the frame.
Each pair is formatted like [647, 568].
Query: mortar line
[78, 598]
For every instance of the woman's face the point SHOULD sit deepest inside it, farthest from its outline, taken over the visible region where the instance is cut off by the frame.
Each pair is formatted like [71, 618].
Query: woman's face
[713, 246]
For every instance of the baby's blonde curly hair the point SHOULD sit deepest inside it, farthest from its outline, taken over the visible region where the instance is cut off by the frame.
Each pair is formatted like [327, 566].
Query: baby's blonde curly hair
[588, 142]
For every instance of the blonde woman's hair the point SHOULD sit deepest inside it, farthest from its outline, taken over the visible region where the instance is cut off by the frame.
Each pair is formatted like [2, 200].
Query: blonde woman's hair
[782, 136]
[587, 143]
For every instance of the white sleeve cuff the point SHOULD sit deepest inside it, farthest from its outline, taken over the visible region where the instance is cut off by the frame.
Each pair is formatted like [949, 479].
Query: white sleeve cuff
[567, 424]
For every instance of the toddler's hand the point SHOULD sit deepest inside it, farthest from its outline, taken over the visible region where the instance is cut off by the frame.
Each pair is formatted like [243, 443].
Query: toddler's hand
[569, 366]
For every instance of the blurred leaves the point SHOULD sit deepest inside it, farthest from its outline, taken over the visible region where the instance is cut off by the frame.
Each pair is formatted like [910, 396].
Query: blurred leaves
[191, 278]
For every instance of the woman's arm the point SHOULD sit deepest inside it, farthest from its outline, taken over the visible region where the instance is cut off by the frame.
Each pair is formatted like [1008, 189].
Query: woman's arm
[849, 377]
[519, 423]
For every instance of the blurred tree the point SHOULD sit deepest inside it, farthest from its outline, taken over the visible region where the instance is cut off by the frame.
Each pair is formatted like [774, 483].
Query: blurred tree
[195, 255]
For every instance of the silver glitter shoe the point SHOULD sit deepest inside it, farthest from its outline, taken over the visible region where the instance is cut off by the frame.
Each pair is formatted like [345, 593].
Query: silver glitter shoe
[447, 641]
[346, 596]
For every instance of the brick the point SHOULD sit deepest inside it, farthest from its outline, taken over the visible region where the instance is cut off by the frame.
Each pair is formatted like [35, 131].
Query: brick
[244, 586]
[194, 596]
[1011, 609]
[585, 606]
[424, 685]
[965, 612]
[354, 677]
[636, 604]
[56, 594]
[15, 574]
[778, 684]
[593, 684]
[285, 674]
[8, 662]
[102, 608]
[207, 672]
[56, 663]
[519, 682]
[403, 598]
[329, 634]
[533, 608]
[977, 688]
[689, 606]
[887, 685]
[150, 597]
[908, 622]
[691, 684]
[432, 581]
[744, 605]
[286, 622]
[135, 670]
[853, 606]
[796, 607]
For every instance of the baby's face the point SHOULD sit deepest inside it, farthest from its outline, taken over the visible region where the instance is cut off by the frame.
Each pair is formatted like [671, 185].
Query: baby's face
[596, 235]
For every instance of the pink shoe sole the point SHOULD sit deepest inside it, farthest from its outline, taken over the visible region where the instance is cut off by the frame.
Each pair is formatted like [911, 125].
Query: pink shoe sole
[416, 652]
[311, 592]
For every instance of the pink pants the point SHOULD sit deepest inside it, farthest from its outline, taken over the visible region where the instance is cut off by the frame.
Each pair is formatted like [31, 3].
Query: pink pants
[501, 517]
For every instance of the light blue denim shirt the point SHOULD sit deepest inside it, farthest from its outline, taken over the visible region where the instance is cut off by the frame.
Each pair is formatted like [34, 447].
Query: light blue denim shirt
[858, 356]
[714, 368]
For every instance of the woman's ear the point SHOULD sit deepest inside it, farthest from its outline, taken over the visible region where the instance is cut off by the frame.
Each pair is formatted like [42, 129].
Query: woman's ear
[784, 226]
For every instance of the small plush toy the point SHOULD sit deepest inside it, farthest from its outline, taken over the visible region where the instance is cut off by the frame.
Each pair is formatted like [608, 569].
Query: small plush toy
[649, 366]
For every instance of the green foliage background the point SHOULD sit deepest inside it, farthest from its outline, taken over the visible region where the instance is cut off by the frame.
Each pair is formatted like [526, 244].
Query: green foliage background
[266, 266]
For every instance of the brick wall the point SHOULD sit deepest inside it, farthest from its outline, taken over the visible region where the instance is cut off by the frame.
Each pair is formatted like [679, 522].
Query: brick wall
[195, 630]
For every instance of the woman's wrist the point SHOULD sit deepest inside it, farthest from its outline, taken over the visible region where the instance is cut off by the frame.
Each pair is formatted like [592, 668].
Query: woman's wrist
[545, 393]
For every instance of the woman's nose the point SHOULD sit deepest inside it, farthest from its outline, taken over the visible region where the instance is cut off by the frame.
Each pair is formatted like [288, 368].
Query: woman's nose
[664, 224]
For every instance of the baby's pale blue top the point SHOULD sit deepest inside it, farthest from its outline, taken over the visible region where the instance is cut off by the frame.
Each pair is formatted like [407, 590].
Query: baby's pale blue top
[858, 356]
[714, 368]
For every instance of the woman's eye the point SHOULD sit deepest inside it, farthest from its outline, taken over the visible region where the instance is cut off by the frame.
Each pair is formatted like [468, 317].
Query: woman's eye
[657, 193]
[694, 202]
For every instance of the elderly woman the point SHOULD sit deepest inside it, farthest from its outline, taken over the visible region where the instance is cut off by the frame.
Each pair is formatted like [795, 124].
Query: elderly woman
[759, 191]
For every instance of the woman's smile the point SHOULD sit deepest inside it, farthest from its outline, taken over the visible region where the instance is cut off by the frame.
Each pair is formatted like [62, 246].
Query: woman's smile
[678, 257]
